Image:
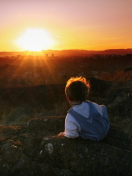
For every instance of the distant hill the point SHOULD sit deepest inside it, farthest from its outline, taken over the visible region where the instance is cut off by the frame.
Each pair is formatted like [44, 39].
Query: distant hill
[70, 52]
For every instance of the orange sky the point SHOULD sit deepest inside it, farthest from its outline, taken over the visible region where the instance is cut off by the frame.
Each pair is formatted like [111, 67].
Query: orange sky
[72, 24]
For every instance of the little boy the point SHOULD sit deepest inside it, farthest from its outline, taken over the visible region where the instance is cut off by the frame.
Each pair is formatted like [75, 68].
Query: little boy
[85, 119]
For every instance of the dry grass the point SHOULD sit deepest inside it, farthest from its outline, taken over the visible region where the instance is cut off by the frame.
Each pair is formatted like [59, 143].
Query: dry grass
[119, 76]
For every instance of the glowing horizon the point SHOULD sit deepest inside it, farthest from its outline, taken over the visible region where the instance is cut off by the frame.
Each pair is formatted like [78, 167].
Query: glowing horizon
[92, 25]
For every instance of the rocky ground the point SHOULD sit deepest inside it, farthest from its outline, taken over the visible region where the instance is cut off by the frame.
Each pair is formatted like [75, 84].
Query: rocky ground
[28, 135]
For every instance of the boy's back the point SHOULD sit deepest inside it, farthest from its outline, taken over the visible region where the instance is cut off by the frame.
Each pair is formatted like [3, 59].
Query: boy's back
[95, 126]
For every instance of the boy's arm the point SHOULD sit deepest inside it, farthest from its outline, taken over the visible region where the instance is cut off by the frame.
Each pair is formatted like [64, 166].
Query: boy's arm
[71, 128]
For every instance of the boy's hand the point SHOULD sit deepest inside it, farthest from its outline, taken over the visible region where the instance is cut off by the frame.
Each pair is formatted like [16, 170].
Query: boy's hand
[60, 135]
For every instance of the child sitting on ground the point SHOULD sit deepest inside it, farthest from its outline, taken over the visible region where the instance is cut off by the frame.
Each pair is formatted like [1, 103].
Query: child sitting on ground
[85, 119]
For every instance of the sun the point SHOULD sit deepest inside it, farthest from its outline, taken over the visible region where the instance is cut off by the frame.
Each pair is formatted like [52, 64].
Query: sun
[35, 40]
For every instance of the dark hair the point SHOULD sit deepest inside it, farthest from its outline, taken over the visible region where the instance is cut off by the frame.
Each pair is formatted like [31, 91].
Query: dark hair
[77, 89]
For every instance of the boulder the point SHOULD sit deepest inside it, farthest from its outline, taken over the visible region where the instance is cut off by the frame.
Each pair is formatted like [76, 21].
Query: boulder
[35, 149]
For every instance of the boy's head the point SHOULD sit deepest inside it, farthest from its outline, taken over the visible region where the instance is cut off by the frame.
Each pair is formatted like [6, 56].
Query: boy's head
[77, 89]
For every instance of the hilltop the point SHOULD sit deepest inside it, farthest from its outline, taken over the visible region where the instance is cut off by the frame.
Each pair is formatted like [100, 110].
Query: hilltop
[28, 133]
[70, 52]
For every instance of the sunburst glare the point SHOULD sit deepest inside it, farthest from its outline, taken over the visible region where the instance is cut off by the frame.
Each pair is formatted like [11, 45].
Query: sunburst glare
[35, 40]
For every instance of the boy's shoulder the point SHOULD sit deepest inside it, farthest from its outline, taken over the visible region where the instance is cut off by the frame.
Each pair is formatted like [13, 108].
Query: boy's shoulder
[93, 109]
[96, 105]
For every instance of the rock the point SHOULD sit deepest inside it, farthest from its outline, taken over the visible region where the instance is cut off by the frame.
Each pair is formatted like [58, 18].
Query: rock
[35, 149]
[49, 148]
[18, 115]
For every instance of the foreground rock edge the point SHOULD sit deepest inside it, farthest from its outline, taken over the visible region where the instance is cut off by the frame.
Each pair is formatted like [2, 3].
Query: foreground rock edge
[35, 149]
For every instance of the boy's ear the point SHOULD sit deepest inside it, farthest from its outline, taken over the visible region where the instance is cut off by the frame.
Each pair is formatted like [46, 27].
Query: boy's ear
[68, 99]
